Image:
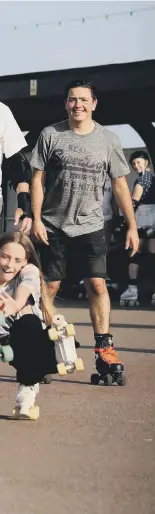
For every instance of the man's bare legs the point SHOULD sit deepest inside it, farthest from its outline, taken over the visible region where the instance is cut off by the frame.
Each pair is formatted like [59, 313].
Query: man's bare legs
[99, 304]
[106, 358]
[99, 308]
[53, 288]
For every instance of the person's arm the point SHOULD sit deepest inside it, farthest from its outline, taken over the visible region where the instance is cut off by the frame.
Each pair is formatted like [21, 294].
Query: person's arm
[38, 162]
[19, 174]
[118, 169]
[29, 284]
[137, 192]
[124, 201]
[37, 192]
[11, 306]
[137, 195]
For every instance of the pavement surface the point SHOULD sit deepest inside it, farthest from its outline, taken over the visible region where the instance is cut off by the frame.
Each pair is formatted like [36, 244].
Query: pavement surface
[93, 448]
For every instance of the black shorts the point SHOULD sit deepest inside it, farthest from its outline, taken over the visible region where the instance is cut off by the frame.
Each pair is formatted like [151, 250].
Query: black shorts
[79, 257]
[27, 340]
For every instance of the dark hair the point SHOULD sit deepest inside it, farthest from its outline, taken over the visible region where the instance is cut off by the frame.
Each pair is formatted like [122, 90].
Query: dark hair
[139, 154]
[88, 84]
[31, 256]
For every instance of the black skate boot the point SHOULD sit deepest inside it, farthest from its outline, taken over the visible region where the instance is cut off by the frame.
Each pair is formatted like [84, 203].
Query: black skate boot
[109, 367]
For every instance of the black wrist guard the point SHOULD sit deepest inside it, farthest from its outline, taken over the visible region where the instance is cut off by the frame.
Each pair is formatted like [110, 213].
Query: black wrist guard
[135, 204]
[24, 203]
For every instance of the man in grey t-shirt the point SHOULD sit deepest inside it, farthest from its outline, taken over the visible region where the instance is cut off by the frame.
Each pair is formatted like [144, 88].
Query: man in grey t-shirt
[71, 160]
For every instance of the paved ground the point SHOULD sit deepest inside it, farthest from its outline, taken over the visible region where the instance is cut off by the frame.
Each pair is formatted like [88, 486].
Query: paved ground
[93, 448]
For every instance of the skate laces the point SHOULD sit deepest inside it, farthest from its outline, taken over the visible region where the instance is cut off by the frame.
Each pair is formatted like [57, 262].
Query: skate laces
[109, 354]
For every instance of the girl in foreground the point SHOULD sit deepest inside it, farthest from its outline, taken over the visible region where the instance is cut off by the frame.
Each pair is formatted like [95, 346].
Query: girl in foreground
[25, 303]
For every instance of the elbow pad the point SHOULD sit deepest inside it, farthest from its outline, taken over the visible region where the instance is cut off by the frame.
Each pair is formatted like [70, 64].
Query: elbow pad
[135, 204]
[24, 203]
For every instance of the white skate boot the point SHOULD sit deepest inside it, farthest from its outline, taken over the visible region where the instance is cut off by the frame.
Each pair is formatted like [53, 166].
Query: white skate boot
[25, 400]
[129, 297]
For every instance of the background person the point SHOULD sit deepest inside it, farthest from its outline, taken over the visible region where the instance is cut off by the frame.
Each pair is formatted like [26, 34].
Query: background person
[143, 198]
[71, 160]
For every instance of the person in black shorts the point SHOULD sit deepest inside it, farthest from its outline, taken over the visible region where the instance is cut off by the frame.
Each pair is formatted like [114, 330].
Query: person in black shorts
[71, 161]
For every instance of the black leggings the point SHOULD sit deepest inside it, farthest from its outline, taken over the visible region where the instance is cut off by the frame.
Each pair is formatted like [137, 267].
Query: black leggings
[34, 353]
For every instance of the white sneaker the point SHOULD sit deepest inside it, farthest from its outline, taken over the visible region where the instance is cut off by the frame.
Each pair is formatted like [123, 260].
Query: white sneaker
[25, 398]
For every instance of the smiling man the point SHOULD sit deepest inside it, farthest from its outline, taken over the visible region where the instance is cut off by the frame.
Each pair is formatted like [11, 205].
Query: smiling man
[71, 160]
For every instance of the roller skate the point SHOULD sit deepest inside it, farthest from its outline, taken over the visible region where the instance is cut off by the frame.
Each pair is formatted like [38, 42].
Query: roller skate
[25, 400]
[129, 297]
[109, 367]
[47, 379]
[63, 335]
[82, 294]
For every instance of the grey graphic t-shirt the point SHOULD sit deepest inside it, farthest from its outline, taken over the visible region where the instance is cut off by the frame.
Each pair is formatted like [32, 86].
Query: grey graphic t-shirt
[76, 168]
[107, 197]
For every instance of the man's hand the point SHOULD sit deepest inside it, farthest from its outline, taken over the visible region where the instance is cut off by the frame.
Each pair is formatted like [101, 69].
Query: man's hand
[132, 241]
[26, 223]
[40, 232]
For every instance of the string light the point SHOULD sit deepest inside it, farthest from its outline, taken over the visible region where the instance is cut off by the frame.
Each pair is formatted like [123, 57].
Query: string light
[80, 20]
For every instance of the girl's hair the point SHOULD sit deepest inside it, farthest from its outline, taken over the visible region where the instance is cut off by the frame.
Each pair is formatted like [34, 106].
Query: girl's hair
[31, 256]
[139, 154]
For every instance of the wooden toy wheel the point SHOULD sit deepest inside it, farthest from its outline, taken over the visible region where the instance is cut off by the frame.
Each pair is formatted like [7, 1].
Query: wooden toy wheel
[53, 334]
[79, 365]
[34, 412]
[70, 330]
[61, 369]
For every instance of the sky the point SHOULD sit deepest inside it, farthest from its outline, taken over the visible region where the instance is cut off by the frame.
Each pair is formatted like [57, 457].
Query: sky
[25, 47]
[50, 35]
[28, 11]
